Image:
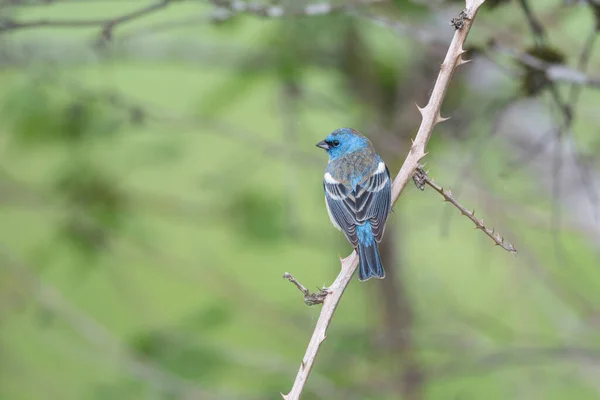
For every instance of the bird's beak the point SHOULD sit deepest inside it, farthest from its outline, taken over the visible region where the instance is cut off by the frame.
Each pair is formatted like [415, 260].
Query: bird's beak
[323, 144]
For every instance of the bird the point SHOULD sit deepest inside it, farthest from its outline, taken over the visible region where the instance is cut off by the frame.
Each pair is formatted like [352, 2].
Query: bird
[358, 195]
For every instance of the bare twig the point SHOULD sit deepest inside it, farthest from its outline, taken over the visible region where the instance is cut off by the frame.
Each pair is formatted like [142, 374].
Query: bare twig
[421, 178]
[228, 8]
[537, 29]
[107, 24]
[430, 117]
[309, 298]
[518, 356]
[553, 72]
[582, 65]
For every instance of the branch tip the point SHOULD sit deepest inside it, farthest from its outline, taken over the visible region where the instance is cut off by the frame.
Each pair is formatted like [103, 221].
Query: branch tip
[422, 177]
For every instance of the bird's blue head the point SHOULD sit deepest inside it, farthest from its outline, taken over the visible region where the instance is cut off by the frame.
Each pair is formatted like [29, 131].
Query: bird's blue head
[342, 142]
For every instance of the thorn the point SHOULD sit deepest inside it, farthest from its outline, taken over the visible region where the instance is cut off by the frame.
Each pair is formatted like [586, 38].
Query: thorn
[303, 364]
[421, 109]
[441, 119]
[412, 141]
[462, 61]
[285, 396]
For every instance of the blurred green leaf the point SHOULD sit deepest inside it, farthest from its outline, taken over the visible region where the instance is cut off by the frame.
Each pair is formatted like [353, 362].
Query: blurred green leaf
[258, 216]
[40, 112]
[535, 81]
[180, 355]
[95, 206]
[213, 316]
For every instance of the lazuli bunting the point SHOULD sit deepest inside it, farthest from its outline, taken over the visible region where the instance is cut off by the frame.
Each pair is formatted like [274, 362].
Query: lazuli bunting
[358, 195]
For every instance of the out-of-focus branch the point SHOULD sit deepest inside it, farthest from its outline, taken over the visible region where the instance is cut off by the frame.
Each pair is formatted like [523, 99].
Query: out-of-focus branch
[553, 72]
[229, 8]
[537, 29]
[107, 25]
[430, 117]
[225, 9]
[582, 65]
[518, 356]
[421, 178]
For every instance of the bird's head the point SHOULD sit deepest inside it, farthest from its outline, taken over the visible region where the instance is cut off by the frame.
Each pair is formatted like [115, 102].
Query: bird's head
[342, 142]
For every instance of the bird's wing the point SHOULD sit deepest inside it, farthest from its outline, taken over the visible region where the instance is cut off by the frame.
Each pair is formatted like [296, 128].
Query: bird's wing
[374, 200]
[342, 216]
[371, 200]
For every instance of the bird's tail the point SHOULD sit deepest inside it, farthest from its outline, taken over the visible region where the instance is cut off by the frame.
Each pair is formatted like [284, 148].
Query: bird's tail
[370, 261]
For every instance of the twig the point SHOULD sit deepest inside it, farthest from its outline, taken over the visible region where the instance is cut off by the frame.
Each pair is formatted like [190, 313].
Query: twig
[553, 72]
[513, 356]
[582, 65]
[430, 117]
[421, 178]
[107, 24]
[309, 298]
[537, 29]
[228, 8]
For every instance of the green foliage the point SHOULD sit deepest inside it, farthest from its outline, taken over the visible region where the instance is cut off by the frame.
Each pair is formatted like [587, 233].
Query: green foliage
[212, 317]
[180, 356]
[95, 206]
[258, 216]
[40, 111]
[535, 81]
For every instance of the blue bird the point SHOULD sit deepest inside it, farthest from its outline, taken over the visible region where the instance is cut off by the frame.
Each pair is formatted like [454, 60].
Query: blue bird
[358, 195]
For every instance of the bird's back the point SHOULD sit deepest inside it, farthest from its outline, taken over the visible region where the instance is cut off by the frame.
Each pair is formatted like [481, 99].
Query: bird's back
[355, 167]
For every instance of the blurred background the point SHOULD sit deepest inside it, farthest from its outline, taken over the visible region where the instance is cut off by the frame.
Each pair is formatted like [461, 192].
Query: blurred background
[158, 175]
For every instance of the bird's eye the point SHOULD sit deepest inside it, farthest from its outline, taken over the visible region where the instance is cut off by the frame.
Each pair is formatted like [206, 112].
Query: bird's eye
[335, 143]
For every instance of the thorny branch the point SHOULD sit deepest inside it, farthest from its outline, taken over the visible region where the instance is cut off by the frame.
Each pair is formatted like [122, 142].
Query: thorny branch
[556, 73]
[430, 117]
[421, 178]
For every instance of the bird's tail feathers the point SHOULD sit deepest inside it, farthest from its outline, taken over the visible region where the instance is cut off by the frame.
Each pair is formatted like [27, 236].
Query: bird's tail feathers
[370, 262]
